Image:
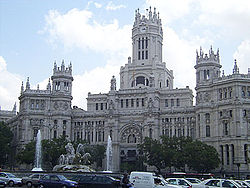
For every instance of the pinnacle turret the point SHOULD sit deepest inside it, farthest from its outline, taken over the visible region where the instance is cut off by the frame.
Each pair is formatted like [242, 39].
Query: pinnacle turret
[211, 57]
[49, 85]
[236, 68]
[22, 88]
[28, 84]
[149, 18]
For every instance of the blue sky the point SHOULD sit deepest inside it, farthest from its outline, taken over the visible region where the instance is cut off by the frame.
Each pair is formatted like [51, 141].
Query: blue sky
[96, 37]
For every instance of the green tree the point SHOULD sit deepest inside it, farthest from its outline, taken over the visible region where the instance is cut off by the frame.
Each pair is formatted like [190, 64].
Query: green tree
[27, 154]
[202, 157]
[52, 149]
[153, 153]
[5, 143]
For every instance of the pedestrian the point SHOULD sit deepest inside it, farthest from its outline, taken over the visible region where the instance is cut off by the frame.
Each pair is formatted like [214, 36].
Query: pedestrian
[125, 181]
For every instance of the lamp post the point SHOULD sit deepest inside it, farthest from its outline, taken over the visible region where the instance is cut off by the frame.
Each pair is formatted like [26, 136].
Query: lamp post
[238, 166]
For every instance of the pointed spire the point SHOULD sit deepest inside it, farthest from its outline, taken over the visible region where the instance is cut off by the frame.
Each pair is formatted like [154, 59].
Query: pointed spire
[150, 13]
[223, 74]
[22, 88]
[14, 107]
[49, 85]
[28, 83]
[37, 86]
[63, 66]
[55, 65]
[236, 68]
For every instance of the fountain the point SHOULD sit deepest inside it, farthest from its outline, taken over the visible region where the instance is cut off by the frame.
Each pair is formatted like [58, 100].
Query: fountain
[38, 156]
[109, 155]
[74, 160]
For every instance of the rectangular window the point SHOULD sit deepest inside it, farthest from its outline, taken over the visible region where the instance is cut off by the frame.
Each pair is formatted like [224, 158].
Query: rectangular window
[126, 103]
[139, 43]
[101, 106]
[177, 102]
[96, 106]
[142, 102]
[132, 102]
[137, 102]
[142, 55]
[146, 42]
[172, 102]
[166, 102]
[146, 55]
[139, 55]
[142, 43]
[121, 103]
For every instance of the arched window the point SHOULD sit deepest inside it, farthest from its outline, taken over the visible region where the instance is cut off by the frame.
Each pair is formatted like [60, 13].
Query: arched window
[131, 138]
[150, 133]
[167, 83]
[232, 149]
[207, 131]
[227, 154]
[246, 152]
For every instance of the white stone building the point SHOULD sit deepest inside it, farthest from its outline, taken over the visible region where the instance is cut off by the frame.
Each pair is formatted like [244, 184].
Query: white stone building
[146, 105]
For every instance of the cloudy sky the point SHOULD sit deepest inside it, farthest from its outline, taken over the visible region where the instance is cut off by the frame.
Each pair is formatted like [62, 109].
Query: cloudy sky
[95, 36]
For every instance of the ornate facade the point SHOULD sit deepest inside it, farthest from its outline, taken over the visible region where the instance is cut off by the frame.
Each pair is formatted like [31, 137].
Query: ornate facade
[146, 105]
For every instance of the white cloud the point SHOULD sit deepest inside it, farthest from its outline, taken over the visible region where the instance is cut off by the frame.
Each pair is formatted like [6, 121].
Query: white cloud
[98, 5]
[170, 10]
[231, 16]
[112, 6]
[242, 55]
[94, 81]
[9, 86]
[77, 28]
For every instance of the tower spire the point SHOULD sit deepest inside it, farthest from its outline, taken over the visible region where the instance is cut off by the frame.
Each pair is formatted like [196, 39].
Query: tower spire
[236, 68]
[28, 84]
[22, 88]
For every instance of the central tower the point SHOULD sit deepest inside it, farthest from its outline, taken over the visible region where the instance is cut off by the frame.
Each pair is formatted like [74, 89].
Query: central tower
[147, 37]
[146, 68]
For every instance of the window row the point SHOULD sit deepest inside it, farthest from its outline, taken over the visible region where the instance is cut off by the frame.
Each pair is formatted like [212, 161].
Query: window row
[89, 123]
[172, 102]
[143, 43]
[225, 93]
[126, 103]
[101, 106]
[227, 154]
[59, 85]
[178, 132]
[245, 91]
[177, 120]
[142, 54]
[37, 104]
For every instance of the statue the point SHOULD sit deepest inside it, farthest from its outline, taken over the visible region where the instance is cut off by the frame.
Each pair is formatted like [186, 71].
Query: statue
[74, 160]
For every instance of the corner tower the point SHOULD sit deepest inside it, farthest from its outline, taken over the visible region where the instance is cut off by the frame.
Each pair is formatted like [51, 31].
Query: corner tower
[62, 80]
[207, 67]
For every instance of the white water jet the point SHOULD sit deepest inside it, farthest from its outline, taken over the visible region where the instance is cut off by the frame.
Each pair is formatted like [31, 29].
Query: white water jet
[38, 156]
[109, 155]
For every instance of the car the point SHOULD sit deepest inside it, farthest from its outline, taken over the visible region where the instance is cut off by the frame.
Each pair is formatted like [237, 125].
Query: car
[97, 181]
[32, 180]
[193, 180]
[2, 183]
[10, 179]
[179, 181]
[56, 181]
[216, 183]
[243, 183]
[149, 180]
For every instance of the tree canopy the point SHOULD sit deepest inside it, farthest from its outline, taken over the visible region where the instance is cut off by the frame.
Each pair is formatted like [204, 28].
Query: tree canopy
[5, 142]
[179, 152]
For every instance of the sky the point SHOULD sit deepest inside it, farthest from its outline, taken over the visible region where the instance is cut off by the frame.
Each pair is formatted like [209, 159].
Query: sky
[95, 36]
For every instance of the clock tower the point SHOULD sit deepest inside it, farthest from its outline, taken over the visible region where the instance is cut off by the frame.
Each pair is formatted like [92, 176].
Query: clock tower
[145, 68]
[147, 37]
